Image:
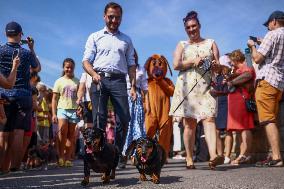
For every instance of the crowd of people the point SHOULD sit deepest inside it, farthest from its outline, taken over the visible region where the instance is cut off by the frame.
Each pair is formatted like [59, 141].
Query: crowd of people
[112, 95]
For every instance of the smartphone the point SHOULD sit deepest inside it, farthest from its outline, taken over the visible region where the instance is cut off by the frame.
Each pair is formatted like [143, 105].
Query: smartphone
[15, 53]
[24, 41]
[253, 38]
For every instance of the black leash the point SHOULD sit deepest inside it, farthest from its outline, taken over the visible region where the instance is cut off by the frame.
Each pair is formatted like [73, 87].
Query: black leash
[157, 133]
[99, 88]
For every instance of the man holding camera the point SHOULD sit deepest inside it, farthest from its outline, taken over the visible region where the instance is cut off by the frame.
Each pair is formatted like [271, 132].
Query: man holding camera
[108, 57]
[19, 106]
[270, 82]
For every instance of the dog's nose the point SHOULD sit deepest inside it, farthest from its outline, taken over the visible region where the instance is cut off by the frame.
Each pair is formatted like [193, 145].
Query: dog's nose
[144, 153]
[88, 142]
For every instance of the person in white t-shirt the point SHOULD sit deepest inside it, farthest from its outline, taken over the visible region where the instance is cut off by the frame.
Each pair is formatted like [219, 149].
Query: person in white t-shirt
[84, 99]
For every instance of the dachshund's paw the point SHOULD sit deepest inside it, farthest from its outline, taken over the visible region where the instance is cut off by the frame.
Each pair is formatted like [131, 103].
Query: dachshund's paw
[106, 179]
[112, 175]
[143, 177]
[155, 179]
[85, 182]
[103, 177]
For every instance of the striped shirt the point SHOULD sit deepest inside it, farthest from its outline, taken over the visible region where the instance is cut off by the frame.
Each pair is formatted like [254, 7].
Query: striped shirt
[272, 48]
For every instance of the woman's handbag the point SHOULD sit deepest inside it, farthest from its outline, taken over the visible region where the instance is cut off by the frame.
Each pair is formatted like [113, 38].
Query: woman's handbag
[249, 103]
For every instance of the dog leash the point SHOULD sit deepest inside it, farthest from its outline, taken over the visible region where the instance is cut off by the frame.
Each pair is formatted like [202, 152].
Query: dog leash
[99, 88]
[206, 70]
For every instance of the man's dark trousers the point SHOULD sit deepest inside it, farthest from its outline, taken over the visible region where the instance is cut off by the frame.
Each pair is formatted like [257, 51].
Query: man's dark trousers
[115, 89]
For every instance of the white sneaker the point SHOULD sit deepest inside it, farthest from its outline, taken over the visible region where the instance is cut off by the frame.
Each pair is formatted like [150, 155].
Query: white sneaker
[178, 157]
[227, 160]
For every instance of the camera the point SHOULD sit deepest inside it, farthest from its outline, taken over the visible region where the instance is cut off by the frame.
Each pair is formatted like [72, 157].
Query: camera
[253, 38]
[25, 41]
[206, 64]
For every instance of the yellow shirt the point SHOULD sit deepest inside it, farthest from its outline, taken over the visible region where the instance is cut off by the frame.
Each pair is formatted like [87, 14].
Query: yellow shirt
[67, 89]
[43, 113]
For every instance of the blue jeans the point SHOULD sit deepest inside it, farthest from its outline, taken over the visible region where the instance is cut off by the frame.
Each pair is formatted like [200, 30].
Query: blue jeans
[114, 89]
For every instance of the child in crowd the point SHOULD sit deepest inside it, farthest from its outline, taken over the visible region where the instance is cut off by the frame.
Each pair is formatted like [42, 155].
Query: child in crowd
[110, 127]
[43, 115]
[64, 111]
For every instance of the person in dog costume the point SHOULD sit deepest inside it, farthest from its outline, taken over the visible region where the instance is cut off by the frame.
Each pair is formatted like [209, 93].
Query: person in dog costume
[160, 89]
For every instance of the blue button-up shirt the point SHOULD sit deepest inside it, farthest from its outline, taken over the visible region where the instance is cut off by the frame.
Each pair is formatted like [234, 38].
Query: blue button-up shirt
[109, 52]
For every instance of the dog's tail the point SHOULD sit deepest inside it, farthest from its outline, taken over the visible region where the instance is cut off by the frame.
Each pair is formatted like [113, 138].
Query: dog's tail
[130, 149]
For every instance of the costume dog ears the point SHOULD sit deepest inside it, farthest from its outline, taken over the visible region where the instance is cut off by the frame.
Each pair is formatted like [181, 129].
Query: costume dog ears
[157, 56]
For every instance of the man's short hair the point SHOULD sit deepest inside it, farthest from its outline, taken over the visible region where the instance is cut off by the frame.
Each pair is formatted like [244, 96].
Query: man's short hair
[114, 6]
[281, 22]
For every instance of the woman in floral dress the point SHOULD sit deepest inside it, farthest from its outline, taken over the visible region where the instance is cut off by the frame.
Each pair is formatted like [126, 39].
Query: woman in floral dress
[198, 105]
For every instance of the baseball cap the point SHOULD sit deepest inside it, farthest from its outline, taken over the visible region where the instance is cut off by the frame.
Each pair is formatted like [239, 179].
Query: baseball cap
[13, 28]
[275, 15]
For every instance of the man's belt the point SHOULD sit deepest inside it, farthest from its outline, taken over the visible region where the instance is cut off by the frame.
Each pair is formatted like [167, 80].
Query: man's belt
[111, 75]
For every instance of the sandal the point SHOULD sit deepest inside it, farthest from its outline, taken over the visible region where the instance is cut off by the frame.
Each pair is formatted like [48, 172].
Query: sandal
[68, 164]
[218, 160]
[61, 162]
[242, 159]
[189, 166]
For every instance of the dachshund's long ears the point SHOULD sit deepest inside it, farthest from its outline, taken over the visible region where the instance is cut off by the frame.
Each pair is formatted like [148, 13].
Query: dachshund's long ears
[130, 148]
[147, 63]
[165, 60]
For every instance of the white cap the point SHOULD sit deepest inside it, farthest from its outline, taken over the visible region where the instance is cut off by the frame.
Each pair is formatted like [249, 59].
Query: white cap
[225, 61]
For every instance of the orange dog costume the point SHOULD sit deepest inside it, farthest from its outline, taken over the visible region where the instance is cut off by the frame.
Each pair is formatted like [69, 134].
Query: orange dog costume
[160, 89]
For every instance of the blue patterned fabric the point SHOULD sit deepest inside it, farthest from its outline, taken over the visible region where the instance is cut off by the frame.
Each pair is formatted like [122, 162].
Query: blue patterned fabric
[136, 128]
[222, 115]
[27, 59]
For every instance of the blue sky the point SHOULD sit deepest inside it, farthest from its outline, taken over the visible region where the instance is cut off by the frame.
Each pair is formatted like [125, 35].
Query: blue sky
[61, 27]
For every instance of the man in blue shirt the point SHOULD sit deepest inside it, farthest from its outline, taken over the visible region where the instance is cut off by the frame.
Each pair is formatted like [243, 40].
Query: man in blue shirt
[108, 57]
[19, 108]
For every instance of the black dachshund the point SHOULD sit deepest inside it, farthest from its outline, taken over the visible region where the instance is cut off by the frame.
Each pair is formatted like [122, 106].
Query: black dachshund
[149, 158]
[100, 156]
[41, 155]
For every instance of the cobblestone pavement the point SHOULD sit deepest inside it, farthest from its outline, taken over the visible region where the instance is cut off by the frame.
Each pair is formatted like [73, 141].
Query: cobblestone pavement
[174, 175]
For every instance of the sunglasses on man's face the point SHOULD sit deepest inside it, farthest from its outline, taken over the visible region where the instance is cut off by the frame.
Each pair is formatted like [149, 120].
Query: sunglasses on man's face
[111, 17]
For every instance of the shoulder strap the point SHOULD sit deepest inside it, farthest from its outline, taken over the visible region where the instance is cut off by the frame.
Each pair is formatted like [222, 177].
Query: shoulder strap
[184, 44]
[241, 91]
